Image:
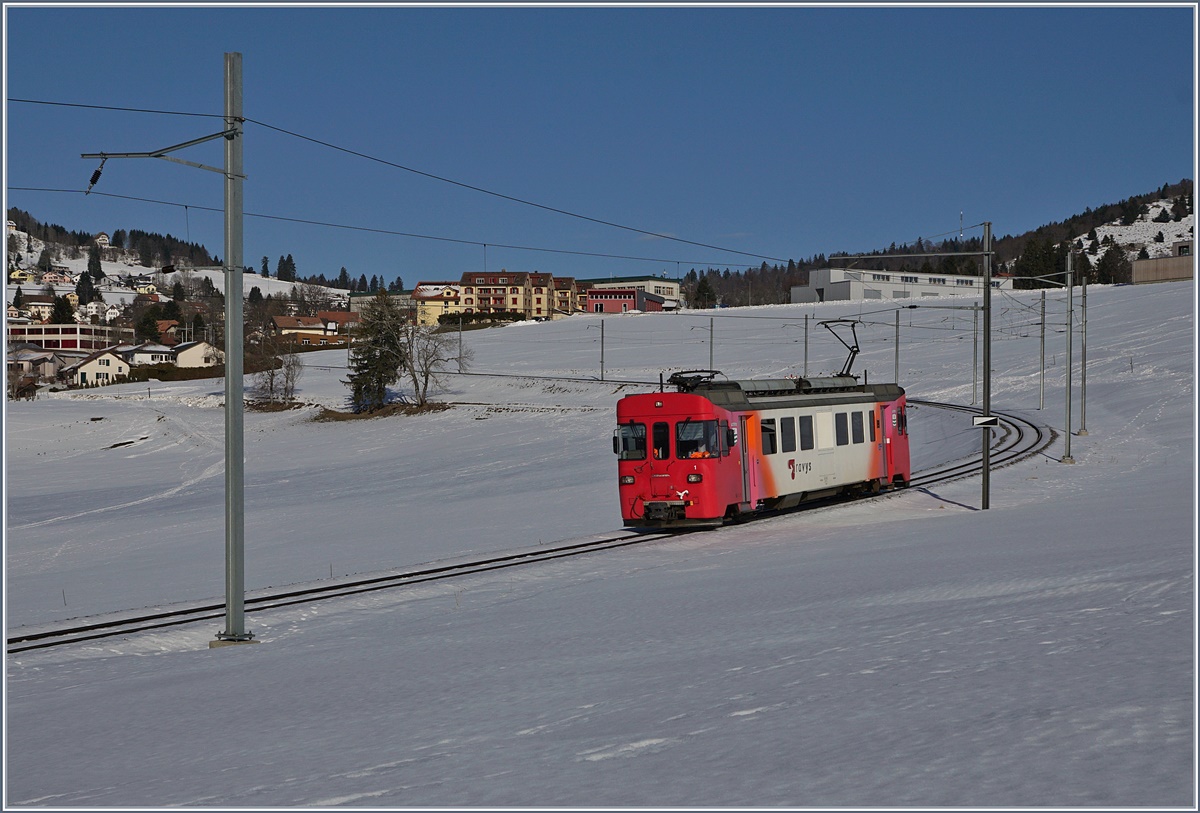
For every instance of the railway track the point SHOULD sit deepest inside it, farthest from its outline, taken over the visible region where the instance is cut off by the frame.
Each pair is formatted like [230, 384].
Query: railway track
[145, 622]
[1018, 438]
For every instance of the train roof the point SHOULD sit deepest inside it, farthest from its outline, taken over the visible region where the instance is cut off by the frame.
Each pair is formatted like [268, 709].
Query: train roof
[783, 392]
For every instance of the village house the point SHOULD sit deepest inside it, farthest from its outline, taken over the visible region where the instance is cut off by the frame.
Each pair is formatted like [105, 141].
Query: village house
[669, 289]
[100, 368]
[168, 331]
[622, 300]
[565, 297]
[340, 322]
[197, 354]
[39, 306]
[433, 299]
[529, 293]
[307, 331]
[33, 362]
[85, 338]
[58, 275]
[146, 353]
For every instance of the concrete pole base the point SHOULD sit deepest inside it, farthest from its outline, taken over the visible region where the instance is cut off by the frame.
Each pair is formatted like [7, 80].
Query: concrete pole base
[230, 642]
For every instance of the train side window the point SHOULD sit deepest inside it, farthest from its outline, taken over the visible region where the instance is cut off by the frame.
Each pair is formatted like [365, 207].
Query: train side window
[871, 423]
[630, 441]
[806, 432]
[856, 427]
[696, 439]
[662, 441]
[768, 436]
[787, 434]
[841, 428]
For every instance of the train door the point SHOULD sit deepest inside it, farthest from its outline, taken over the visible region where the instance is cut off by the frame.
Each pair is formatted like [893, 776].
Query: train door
[743, 443]
[882, 442]
[826, 447]
[892, 418]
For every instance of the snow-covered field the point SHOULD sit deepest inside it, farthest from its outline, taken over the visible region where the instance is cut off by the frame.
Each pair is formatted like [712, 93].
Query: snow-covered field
[908, 651]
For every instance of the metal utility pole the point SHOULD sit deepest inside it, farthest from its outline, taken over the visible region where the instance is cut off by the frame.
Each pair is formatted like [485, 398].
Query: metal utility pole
[1083, 361]
[987, 363]
[897, 373]
[1070, 330]
[806, 345]
[589, 327]
[710, 343]
[235, 631]
[1042, 394]
[974, 354]
[235, 457]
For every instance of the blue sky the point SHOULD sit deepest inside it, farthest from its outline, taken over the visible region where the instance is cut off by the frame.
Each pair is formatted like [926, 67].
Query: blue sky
[779, 132]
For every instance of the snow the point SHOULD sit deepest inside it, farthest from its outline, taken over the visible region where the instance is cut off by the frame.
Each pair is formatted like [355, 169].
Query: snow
[1141, 233]
[906, 651]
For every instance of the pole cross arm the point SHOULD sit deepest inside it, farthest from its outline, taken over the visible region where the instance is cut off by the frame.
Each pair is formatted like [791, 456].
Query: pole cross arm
[174, 148]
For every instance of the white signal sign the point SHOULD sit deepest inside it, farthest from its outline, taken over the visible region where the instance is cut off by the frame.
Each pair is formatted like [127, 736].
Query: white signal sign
[985, 420]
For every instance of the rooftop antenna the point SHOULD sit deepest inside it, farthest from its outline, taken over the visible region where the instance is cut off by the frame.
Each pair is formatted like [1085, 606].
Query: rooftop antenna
[853, 348]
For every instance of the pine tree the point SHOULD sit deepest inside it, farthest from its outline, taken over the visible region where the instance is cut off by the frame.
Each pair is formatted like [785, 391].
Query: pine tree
[146, 329]
[18, 298]
[265, 269]
[377, 353]
[343, 279]
[93, 267]
[85, 289]
[62, 314]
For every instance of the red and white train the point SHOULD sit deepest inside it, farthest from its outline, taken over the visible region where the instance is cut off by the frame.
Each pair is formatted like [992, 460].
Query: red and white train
[718, 449]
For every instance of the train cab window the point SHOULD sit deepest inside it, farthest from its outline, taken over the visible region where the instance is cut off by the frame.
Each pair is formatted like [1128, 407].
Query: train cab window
[787, 434]
[695, 439]
[768, 436]
[856, 427]
[841, 428]
[871, 423]
[806, 432]
[630, 441]
[662, 441]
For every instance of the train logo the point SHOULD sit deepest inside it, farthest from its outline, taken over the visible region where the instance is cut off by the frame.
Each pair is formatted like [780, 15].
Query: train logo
[715, 450]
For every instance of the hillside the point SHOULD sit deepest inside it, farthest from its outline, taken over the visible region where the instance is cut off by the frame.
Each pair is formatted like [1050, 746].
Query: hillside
[1147, 223]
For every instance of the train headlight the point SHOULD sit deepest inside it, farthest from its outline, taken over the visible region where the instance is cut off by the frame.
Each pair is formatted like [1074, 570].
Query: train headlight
[695, 478]
[626, 479]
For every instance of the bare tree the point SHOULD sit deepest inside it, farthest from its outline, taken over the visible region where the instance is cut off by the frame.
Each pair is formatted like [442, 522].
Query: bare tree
[427, 353]
[279, 369]
[290, 371]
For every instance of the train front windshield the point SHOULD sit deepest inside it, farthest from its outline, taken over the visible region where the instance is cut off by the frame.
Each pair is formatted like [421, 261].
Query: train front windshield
[696, 439]
[692, 439]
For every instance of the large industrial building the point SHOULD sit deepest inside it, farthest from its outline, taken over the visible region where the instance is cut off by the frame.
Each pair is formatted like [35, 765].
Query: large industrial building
[853, 284]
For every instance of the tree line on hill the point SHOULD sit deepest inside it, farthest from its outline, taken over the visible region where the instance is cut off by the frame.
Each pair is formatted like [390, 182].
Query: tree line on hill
[1036, 253]
[154, 250]
[285, 271]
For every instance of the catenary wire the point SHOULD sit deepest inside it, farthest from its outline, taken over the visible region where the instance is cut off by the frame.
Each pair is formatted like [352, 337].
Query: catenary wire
[413, 170]
[370, 229]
